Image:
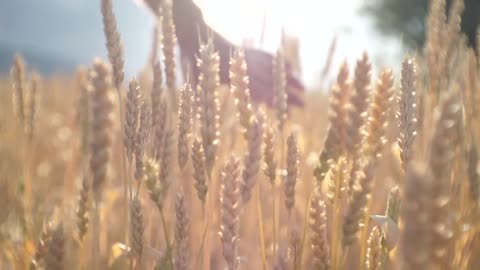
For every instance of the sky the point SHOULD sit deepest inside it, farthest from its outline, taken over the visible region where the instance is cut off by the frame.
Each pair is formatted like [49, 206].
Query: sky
[65, 33]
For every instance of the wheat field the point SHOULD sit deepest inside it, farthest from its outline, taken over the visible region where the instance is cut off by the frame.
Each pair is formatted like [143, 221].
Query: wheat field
[99, 170]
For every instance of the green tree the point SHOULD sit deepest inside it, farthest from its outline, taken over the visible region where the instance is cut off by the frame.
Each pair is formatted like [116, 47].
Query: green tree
[407, 18]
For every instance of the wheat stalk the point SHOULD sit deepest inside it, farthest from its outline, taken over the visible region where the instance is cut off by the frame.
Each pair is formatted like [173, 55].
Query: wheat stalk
[230, 212]
[474, 175]
[357, 114]
[101, 140]
[55, 257]
[373, 146]
[416, 232]
[356, 207]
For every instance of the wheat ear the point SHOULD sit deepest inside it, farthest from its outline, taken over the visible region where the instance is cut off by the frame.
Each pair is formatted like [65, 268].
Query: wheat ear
[156, 190]
[54, 259]
[199, 172]
[359, 104]
[208, 81]
[184, 124]
[357, 114]
[132, 114]
[318, 227]
[31, 105]
[376, 255]
[182, 228]
[114, 46]
[83, 209]
[335, 142]
[101, 124]
[169, 41]
[407, 113]
[373, 146]
[445, 135]
[292, 172]
[378, 116]
[280, 88]
[136, 228]
[18, 85]
[141, 139]
[239, 87]
[252, 159]
[41, 249]
[230, 211]
[270, 167]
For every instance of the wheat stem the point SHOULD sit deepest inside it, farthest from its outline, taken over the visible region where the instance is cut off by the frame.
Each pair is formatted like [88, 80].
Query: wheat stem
[261, 229]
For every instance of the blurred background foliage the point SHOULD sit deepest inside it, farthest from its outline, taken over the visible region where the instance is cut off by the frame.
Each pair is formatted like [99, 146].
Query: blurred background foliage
[406, 18]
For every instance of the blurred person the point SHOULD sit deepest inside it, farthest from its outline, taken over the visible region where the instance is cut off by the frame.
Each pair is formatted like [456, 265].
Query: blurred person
[190, 27]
